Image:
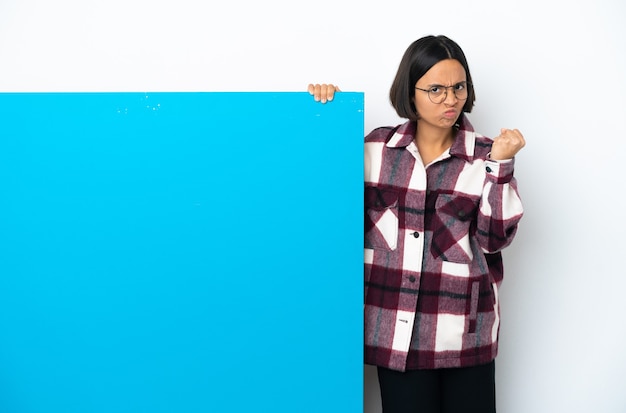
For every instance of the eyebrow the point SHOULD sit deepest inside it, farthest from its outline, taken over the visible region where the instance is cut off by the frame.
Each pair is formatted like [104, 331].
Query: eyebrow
[454, 84]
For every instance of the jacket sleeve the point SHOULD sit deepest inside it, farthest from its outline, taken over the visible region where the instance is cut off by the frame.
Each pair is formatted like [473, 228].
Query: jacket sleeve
[500, 208]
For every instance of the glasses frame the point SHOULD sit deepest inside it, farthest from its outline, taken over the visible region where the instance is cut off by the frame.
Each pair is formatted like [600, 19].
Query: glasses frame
[445, 92]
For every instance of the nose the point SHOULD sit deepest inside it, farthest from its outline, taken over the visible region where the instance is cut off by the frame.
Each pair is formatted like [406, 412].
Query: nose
[450, 98]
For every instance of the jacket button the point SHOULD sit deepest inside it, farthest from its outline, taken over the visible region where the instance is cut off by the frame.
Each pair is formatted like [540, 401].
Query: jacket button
[488, 169]
[412, 279]
[416, 234]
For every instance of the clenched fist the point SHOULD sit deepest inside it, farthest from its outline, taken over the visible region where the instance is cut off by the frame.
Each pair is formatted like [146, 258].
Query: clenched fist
[507, 144]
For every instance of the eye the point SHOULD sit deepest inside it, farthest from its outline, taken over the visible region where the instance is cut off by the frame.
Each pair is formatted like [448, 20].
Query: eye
[435, 90]
[460, 86]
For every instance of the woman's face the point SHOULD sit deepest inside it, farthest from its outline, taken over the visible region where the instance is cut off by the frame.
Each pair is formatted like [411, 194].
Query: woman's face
[446, 76]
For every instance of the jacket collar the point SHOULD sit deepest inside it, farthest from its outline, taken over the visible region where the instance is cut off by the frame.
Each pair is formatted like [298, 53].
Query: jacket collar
[463, 146]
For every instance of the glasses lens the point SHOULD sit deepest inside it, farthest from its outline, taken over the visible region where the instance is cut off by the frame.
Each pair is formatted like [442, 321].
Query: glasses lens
[437, 95]
[460, 91]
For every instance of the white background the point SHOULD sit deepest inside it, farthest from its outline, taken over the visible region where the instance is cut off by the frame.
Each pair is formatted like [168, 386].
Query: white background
[554, 69]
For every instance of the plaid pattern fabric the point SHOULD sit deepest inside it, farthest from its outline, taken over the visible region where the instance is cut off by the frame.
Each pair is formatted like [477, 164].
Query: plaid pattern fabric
[432, 241]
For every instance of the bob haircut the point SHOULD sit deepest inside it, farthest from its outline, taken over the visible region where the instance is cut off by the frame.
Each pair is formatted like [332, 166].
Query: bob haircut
[418, 58]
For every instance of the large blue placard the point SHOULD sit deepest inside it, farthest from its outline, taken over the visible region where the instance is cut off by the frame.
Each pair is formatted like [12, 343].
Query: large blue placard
[180, 252]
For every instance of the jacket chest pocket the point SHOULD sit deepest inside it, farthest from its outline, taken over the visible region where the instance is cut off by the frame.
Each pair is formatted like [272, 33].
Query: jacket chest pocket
[453, 218]
[381, 218]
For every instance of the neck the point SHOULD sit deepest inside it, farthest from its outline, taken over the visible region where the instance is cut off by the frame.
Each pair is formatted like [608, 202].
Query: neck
[430, 135]
[432, 142]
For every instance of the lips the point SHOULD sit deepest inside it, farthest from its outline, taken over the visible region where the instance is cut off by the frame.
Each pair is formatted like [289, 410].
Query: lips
[449, 114]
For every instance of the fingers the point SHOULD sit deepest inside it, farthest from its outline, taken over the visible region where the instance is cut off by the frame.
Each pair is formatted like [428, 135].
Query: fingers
[323, 92]
[507, 144]
[513, 136]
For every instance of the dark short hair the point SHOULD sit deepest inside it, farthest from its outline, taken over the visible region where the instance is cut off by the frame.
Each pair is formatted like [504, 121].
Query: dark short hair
[418, 58]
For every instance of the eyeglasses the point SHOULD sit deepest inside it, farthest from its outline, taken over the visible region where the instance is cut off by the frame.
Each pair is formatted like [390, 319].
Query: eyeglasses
[438, 93]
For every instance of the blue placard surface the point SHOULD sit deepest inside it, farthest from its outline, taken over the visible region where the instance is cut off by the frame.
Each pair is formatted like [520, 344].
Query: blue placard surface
[180, 252]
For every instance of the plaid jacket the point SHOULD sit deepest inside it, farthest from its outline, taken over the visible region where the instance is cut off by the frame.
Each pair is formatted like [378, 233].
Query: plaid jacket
[432, 241]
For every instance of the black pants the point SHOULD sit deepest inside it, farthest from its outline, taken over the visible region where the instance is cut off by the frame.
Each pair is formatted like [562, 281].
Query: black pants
[458, 390]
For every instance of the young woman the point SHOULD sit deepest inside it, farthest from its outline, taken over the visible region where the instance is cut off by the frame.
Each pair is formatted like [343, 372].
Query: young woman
[441, 203]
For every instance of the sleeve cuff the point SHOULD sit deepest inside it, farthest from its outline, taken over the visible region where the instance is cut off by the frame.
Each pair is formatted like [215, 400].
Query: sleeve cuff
[500, 171]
